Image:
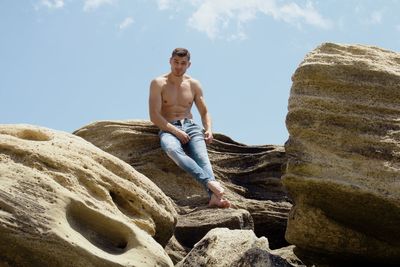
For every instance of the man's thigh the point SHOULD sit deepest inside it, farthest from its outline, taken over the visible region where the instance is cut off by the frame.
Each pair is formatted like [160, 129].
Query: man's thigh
[197, 150]
[169, 141]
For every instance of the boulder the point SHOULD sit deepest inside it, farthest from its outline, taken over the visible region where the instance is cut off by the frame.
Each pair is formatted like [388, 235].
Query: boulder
[194, 226]
[250, 174]
[64, 202]
[222, 247]
[344, 153]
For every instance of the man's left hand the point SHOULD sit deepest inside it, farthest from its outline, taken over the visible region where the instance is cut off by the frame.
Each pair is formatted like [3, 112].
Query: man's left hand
[208, 137]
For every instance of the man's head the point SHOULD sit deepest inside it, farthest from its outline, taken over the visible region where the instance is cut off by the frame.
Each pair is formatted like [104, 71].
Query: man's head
[181, 52]
[180, 61]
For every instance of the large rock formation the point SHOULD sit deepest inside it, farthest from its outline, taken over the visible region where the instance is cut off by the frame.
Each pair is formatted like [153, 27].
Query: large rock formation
[344, 153]
[64, 202]
[251, 174]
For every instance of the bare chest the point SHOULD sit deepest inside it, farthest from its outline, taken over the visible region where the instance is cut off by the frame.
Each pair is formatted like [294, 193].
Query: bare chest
[177, 96]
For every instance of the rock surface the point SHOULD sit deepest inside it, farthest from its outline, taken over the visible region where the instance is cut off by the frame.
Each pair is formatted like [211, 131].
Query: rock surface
[64, 202]
[344, 153]
[251, 174]
[175, 250]
[222, 247]
[194, 226]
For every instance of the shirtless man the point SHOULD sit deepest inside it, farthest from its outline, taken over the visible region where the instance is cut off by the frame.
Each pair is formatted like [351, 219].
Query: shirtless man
[170, 102]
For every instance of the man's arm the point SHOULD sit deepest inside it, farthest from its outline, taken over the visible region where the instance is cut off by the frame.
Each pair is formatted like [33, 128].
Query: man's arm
[202, 108]
[155, 104]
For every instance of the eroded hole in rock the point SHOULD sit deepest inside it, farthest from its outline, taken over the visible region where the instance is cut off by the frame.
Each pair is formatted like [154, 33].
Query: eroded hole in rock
[103, 232]
[33, 135]
[136, 210]
[125, 206]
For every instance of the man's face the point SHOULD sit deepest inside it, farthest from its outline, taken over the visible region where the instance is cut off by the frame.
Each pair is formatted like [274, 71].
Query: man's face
[179, 65]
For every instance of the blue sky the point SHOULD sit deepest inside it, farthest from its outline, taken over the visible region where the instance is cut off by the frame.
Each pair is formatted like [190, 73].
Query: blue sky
[67, 63]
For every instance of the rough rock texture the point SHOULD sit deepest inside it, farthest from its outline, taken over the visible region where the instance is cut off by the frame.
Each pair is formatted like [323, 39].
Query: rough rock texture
[251, 174]
[222, 247]
[64, 202]
[175, 250]
[194, 226]
[344, 153]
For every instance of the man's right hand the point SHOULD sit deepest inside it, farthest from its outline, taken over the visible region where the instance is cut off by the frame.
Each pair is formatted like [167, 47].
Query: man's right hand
[182, 136]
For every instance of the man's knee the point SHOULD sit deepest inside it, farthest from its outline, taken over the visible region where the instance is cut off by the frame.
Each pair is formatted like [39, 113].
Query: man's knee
[172, 150]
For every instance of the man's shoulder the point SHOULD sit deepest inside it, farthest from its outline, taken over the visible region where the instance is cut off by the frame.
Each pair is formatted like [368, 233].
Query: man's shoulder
[192, 80]
[160, 80]
[195, 84]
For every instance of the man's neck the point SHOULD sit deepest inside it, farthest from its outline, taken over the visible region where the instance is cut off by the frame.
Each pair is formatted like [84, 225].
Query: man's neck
[175, 79]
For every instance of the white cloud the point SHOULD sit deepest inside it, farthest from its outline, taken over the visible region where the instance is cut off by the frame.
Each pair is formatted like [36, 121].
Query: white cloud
[292, 12]
[164, 4]
[126, 23]
[240, 35]
[176, 4]
[214, 15]
[54, 4]
[93, 4]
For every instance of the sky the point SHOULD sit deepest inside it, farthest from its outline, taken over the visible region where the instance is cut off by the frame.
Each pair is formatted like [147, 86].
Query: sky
[67, 63]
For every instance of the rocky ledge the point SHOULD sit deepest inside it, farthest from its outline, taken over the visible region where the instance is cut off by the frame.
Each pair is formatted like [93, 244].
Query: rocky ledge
[250, 174]
[66, 202]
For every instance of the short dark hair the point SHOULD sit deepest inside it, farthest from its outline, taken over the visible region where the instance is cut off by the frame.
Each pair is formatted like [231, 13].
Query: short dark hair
[181, 52]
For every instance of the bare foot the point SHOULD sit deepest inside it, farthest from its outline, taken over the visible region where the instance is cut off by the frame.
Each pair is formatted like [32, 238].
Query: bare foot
[218, 202]
[216, 188]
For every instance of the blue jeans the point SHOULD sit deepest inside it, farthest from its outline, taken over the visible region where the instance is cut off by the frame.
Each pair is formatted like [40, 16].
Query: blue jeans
[192, 156]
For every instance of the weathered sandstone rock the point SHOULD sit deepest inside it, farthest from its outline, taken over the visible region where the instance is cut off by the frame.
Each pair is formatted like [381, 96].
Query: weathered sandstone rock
[251, 174]
[344, 153]
[194, 226]
[64, 202]
[222, 247]
[175, 250]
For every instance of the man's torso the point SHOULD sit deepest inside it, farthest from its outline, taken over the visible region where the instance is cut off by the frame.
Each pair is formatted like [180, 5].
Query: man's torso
[177, 99]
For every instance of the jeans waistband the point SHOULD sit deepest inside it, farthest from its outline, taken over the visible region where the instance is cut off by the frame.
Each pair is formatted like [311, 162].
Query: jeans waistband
[182, 121]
